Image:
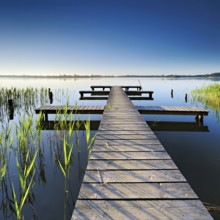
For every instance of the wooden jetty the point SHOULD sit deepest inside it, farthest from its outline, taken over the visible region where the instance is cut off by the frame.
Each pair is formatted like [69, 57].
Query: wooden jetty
[155, 126]
[198, 112]
[130, 175]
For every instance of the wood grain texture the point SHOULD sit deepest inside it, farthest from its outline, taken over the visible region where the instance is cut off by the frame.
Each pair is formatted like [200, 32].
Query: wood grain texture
[130, 165]
[130, 175]
[140, 210]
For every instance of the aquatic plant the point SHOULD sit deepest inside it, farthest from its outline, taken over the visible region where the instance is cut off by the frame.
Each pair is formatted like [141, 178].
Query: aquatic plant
[6, 141]
[26, 181]
[24, 100]
[209, 96]
[89, 140]
[67, 152]
[29, 154]
[111, 107]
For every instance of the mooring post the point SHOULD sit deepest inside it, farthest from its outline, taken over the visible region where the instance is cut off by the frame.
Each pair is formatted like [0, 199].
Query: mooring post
[11, 109]
[10, 103]
[186, 98]
[51, 97]
[171, 93]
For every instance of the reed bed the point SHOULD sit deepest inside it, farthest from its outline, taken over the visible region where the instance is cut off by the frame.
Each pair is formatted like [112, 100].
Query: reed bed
[23, 100]
[22, 140]
[209, 96]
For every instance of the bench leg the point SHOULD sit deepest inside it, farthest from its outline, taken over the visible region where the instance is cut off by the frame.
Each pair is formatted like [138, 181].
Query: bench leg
[45, 117]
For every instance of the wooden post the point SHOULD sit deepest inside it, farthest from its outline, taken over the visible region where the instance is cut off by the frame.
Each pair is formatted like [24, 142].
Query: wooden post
[199, 119]
[171, 93]
[81, 94]
[10, 109]
[51, 97]
[10, 103]
[45, 116]
[186, 98]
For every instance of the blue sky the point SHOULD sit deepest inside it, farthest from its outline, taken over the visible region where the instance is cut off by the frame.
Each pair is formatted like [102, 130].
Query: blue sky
[109, 36]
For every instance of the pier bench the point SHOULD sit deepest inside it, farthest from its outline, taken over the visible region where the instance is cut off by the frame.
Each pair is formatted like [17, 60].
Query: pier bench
[109, 87]
[103, 93]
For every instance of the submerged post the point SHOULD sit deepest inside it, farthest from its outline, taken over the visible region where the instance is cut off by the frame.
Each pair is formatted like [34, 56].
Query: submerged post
[186, 98]
[11, 109]
[171, 93]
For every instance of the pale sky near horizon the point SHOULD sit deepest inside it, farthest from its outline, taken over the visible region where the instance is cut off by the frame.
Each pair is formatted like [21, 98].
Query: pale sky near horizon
[109, 37]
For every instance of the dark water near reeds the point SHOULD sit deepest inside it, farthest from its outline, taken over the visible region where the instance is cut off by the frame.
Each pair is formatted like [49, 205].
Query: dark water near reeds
[196, 153]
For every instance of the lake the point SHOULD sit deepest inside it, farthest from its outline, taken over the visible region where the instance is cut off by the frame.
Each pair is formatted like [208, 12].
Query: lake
[52, 195]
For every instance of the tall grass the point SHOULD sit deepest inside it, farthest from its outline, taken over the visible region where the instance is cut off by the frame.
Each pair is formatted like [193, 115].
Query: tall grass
[24, 139]
[26, 181]
[209, 96]
[67, 125]
[89, 139]
[24, 100]
[6, 141]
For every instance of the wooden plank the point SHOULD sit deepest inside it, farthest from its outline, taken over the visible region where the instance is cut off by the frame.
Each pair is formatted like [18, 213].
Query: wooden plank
[128, 142]
[130, 164]
[140, 210]
[126, 137]
[130, 155]
[177, 110]
[128, 132]
[126, 128]
[137, 191]
[124, 147]
[191, 110]
[131, 176]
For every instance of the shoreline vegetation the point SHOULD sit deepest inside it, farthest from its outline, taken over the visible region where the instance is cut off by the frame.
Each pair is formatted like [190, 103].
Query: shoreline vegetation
[211, 75]
[209, 96]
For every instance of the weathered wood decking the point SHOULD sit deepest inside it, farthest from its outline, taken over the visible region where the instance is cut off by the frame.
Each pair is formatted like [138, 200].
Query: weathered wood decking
[130, 175]
[163, 110]
[109, 87]
[104, 93]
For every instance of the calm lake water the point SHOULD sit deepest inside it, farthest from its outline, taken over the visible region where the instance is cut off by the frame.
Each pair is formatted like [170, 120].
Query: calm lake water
[196, 153]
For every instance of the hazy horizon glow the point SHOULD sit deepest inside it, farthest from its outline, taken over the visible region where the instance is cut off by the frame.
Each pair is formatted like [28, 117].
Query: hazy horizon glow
[109, 37]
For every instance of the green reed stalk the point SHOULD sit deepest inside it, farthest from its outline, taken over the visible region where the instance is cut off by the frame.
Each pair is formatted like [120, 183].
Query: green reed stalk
[26, 174]
[67, 152]
[209, 96]
[6, 141]
[89, 140]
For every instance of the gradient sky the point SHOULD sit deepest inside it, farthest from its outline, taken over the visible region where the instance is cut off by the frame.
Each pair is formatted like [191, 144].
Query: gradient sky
[109, 36]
